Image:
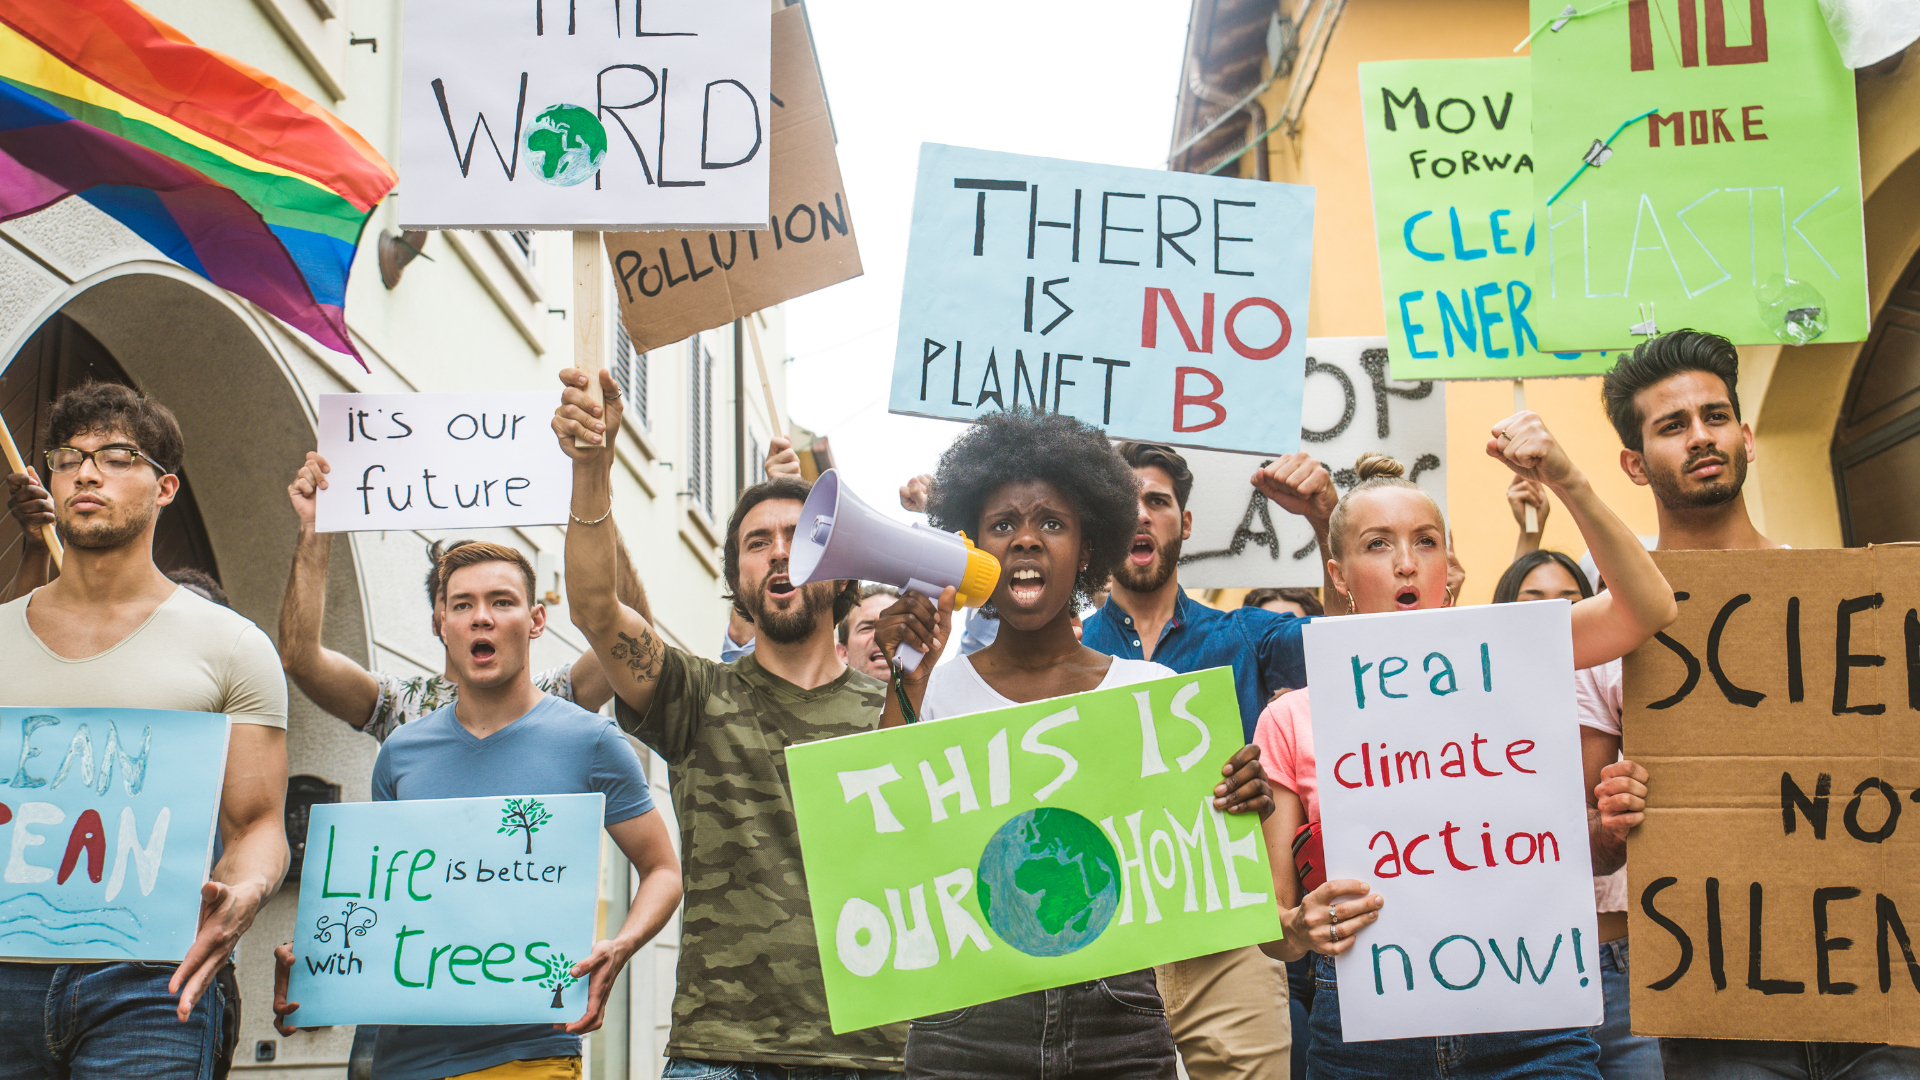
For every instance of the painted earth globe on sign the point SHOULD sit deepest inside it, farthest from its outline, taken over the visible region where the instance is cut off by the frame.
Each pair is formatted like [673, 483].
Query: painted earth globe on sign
[1049, 882]
[565, 145]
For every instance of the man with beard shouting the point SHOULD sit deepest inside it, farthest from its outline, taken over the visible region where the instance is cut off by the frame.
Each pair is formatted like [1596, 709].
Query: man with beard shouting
[750, 1001]
[1228, 1011]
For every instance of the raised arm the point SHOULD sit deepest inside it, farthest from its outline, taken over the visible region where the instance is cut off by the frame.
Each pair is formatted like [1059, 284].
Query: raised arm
[645, 843]
[623, 639]
[331, 679]
[253, 831]
[1303, 487]
[590, 686]
[1639, 602]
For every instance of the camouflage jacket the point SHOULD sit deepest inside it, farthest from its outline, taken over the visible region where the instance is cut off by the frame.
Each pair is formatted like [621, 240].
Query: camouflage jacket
[749, 987]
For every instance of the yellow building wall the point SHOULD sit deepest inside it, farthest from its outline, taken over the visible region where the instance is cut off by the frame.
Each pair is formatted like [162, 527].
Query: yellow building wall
[1329, 152]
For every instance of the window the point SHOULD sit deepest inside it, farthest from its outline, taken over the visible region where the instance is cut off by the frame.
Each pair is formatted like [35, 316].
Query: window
[758, 458]
[630, 375]
[523, 240]
[700, 427]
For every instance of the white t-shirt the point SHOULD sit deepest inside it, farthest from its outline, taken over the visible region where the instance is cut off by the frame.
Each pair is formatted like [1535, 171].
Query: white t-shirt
[956, 689]
[191, 654]
[1597, 699]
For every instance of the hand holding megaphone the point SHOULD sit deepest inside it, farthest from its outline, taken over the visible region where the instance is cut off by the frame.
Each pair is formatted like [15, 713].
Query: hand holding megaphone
[916, 630]
[840, 537]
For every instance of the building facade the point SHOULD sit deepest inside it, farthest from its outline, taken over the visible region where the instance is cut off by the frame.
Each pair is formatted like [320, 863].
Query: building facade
[82, 297]
[1271, 90]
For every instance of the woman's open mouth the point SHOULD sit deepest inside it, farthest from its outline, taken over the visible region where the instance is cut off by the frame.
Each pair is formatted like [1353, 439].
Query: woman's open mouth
[1142, 552]
[1407, 599]
[1025, 586]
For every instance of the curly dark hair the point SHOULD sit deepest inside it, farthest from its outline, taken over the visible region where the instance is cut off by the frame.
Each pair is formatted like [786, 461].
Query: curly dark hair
[1021, 446]
[1658, 359]
[778, 487]
[106, 407]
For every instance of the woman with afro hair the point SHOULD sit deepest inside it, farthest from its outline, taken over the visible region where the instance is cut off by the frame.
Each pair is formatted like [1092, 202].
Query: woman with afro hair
[1050, 498]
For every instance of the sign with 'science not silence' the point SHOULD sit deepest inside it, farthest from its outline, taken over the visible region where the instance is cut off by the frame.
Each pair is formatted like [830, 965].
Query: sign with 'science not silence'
[1155, 305]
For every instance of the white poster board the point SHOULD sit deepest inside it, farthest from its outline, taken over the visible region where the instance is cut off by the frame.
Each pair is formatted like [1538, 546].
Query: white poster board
[1241, 540]
[441, 461]
[1450, 781]
[585, 114]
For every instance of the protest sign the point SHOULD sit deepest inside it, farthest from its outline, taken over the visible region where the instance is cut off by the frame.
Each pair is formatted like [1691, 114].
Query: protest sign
[1157, 305]
[1447, 745]
[447, 911]
[1695, 171]
[1450, 159]
[1348, 404]
[441, 461]
[107, 825]
[1061, 841]
[1774, 889]
[673, 285]
[586, 115]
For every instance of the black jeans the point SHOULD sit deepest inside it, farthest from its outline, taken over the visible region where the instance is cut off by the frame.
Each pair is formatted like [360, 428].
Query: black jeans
[1111, 1029]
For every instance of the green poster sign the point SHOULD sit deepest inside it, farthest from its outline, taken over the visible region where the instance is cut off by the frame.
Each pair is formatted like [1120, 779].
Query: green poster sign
[970, 859]
[1698, 165]
[1450, 157]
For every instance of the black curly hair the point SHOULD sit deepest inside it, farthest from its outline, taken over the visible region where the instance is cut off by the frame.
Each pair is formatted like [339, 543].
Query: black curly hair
[1021, 446]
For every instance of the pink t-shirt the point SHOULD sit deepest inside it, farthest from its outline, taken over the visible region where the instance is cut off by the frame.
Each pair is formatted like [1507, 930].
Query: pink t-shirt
[1285, 737]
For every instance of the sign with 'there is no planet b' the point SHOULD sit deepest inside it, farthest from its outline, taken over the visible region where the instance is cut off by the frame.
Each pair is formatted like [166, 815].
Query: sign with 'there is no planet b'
[441, 461]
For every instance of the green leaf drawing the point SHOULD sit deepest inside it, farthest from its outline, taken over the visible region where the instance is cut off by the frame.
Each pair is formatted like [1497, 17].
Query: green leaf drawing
[524, 815]
[559, 976]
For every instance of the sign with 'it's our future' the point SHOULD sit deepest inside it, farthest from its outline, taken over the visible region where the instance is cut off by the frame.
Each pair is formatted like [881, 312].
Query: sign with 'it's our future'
[1161, 306]
[447, 911]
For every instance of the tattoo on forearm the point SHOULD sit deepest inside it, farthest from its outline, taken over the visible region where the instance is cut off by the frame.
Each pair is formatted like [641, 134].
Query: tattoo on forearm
[641, 656]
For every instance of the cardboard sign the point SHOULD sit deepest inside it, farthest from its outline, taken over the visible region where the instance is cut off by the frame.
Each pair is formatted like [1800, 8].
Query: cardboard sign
[1450, 158]
[1061, 841]
[107, 829]
[447, 911]
[1349, 404]
[1156, 305]
[1450, 781]
[441, 461]
[1774, 888]
[584, 115]
[1726, 194]
[672, 285]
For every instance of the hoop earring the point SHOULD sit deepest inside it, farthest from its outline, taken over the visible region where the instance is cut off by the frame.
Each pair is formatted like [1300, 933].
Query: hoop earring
[1450, 600]
[1348, 598]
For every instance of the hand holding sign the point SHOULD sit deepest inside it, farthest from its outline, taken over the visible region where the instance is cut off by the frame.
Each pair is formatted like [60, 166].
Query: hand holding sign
[915, 620]
[1328, 917]
[308, 483]
[583, 423]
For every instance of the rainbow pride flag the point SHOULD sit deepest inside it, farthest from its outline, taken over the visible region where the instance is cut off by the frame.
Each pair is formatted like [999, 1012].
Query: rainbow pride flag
[229, 171]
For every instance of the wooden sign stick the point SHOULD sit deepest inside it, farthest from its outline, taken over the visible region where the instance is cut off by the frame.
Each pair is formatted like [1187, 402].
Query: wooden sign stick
[17, 464]
[1520, 405]
[589, 352]
[766, 384]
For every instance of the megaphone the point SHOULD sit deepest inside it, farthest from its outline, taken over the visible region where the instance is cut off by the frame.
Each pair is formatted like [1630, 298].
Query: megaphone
[841, 537]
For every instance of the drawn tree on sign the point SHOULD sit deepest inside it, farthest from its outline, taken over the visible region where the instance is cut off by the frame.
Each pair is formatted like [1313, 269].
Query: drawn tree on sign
[559, 976]
[524, 815]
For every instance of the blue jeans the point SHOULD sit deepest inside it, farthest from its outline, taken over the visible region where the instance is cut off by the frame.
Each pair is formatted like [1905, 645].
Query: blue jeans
[1565, 1054]
[1741, 1059]
[1300, 1005]
[1623, 1055]
[689, 1069]
[1109, 1029]
[103, 1022]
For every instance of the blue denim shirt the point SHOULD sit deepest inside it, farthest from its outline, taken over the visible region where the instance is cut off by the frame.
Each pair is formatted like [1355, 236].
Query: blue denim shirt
[1261, 646]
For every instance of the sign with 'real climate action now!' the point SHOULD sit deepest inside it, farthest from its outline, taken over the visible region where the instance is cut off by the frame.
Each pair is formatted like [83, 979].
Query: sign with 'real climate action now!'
[1155, 305]
[441, 461]
[586, 115]
[106, 825]
[1450, 782]
[447, 911]
[1060, 841]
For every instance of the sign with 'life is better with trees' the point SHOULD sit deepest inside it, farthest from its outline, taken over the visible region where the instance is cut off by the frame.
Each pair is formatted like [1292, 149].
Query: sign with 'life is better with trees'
[447, 911]
[590, 115]
[1060, 841]
[1450, 781]
[1155, 305]
[106, 826]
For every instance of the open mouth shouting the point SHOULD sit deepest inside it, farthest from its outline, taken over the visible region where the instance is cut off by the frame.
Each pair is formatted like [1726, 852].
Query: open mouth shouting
[1025, 585]
[1143, 551]
[1407, 598]
[779, 586]
[481, 651]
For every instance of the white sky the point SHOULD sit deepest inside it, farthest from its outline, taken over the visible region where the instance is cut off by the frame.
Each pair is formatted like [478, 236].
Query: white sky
[1093, 81]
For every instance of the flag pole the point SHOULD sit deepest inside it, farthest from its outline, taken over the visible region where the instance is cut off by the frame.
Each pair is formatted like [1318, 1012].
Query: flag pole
[1520, 405]
[589, 351]
[15, 462]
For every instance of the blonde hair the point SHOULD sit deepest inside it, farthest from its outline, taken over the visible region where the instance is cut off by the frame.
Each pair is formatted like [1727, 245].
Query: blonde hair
[1373, 470]
[474, 552]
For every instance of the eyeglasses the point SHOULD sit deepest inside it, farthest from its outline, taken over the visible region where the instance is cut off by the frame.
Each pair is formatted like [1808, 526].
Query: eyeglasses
[111, 460]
